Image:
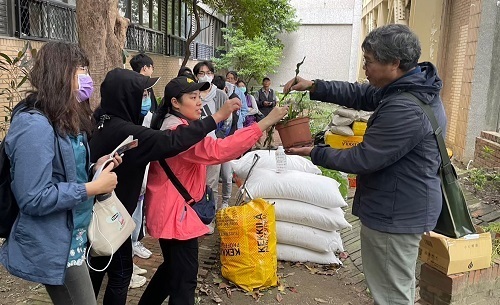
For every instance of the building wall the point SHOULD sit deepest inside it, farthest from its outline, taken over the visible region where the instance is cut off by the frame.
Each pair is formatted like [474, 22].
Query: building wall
[484, 109]
[328, 36]
[166, 67]
[493, 100]
[424, 17]
[457, 62]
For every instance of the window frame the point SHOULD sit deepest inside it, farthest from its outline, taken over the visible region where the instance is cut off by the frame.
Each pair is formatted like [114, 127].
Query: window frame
[140, 4]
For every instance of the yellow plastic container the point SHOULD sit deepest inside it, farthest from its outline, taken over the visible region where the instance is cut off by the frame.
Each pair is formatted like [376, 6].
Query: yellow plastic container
[359, 128]
[342, 142]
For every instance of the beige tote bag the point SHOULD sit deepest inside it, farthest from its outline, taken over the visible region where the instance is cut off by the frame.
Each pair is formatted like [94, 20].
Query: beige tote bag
[111, 225]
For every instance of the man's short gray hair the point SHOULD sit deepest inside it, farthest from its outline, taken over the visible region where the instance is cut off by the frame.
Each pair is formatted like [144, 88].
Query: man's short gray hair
[393, 42]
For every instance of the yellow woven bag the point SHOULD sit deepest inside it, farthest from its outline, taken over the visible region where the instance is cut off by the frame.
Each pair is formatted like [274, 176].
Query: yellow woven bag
[248, 244]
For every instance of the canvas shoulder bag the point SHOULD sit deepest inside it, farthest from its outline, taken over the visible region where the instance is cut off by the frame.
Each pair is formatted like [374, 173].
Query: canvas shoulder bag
[205, 208]
[455, 220]
[111, 224]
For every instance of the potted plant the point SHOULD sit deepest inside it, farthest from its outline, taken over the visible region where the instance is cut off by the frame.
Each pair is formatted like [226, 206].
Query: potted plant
[294, 129]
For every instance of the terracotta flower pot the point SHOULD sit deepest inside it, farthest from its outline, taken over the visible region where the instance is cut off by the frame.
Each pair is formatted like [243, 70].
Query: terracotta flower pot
[295, 132]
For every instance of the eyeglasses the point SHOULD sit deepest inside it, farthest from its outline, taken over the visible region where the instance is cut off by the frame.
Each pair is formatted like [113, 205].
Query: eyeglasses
[203, 73]
[86, 69]
[367, 62]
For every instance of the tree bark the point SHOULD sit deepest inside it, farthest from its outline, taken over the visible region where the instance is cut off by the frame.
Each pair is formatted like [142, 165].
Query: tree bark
[192, 36]
[102, 34]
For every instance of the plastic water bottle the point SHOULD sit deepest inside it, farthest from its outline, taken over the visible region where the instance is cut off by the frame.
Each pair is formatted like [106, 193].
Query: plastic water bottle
[280, 160]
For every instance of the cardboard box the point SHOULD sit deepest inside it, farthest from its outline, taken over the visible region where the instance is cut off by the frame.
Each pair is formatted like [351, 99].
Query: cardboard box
[450, 256]
[342, 142]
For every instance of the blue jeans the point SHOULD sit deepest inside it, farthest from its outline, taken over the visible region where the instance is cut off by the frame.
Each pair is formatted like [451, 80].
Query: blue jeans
[138, 219]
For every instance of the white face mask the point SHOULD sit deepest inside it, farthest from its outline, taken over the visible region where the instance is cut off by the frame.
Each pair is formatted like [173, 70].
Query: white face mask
[206, 78]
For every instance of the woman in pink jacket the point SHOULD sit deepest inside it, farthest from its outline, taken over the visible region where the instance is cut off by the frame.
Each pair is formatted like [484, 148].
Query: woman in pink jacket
[167, 218]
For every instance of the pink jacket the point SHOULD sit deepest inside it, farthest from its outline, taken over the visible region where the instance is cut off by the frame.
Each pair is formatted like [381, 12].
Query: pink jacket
[164, 204]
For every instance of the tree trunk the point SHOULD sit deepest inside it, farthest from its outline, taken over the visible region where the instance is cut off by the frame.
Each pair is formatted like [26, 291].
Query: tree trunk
[192, 36]
[101, 33]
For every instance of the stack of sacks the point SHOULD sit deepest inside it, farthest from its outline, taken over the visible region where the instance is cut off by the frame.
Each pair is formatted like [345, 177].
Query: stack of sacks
[307, 205]
[349, 122]
[268, 160]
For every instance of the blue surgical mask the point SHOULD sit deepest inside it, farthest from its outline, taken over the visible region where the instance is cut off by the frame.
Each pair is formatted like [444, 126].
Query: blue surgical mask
[146, 105]
[243, 89]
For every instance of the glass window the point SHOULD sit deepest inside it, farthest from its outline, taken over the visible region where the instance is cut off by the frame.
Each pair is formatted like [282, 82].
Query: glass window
[156, 17]
[134, 18]
[183, 20]
[176, 16]
[169, 17]
[145, 13]
[122, 7]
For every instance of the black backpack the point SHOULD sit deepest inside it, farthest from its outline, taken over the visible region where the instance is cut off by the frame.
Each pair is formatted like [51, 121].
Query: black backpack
[8, 204]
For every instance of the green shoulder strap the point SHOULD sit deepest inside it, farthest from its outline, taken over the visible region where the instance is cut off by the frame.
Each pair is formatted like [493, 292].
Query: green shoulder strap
[438, 131]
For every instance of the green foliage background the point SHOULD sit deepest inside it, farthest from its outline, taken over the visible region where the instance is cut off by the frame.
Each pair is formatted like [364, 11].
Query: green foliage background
[252, 58]
[253, 47]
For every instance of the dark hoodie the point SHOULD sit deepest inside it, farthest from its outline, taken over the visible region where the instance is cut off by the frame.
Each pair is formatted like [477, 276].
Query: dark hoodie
[121, 95]
[398, 186]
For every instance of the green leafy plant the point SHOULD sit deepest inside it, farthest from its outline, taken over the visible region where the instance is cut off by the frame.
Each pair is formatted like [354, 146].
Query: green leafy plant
[16, 70]
[482, 179]
[487, 151]
[336, 175]
[494, 228]
[253, 58]
[296, 107]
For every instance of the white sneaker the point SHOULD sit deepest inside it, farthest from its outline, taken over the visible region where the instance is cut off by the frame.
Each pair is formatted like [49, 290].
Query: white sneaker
[211, 228]
[137, 281]
[224, 205]
[140, 250]
[146, 249]
[139, 271]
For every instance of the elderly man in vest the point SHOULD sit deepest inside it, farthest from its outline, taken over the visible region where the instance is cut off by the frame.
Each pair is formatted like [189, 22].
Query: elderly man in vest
[266, 97]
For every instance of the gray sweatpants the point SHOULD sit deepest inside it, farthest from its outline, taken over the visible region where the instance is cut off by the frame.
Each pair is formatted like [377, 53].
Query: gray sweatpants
[76, 290]
[389, 265]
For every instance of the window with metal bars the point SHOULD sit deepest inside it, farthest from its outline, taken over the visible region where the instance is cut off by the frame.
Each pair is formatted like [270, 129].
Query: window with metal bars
[206, 43]
[178, 25]
[144, 32]
[4, 18]
[144, 39]
[47, 20]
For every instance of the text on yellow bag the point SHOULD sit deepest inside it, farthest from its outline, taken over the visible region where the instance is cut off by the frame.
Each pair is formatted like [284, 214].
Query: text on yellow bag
[248, 244]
